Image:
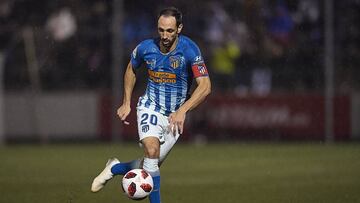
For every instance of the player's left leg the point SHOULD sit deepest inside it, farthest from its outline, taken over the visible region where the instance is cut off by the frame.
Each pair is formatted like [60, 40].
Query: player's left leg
[151, 165]
[114, 167]
[122, 168]
[155, 154]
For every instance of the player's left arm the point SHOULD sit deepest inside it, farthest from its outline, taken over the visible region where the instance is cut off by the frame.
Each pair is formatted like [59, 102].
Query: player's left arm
[203, 89]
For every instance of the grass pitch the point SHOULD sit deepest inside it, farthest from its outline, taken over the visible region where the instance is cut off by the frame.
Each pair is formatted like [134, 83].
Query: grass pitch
[226, 173]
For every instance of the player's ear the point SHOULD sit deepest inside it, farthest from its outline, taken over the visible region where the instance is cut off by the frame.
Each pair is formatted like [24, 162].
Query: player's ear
[179, 28]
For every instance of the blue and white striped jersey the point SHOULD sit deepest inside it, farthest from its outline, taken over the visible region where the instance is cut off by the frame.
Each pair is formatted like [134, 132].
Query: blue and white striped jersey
[169, 75]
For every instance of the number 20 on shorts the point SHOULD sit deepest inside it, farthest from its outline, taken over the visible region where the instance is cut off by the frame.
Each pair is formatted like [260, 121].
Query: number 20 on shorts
[145, 119]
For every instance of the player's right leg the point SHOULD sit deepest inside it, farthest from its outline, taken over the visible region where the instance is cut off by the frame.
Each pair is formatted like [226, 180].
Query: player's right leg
[113, 167]
[169, 142]
[105, 175]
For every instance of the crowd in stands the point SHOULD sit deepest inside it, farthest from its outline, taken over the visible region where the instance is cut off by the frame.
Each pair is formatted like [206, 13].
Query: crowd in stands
[250, 46]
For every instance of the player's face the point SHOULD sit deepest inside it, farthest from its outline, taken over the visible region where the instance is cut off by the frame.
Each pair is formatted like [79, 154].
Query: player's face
[168, 31]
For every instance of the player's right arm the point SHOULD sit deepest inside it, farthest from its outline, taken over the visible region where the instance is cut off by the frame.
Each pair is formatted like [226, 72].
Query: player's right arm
[129, 83]
[130, 79]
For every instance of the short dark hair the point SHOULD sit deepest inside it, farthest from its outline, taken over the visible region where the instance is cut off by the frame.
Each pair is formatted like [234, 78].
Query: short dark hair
[172, 11]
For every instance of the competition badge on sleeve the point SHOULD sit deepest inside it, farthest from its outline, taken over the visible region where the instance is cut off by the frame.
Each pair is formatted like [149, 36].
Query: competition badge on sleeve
[199, 68]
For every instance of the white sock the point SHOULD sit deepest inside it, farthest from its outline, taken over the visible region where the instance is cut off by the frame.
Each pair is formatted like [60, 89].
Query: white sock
[151, 166]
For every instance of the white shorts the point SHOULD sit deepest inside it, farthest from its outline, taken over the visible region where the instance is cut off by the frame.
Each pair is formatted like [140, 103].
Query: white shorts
[154, 124]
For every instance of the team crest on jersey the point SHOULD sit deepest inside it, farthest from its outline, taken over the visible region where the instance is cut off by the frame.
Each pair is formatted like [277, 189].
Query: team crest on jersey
[174, 61]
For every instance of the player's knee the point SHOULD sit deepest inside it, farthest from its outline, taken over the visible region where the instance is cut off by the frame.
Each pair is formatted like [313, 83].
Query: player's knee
[152, 152]
[151, 147]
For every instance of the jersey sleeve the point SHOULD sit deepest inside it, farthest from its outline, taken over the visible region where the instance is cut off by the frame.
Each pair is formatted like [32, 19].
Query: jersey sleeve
[137, 56]
[198, 66]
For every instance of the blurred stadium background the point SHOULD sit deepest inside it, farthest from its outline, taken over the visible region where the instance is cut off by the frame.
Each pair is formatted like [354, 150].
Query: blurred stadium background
[280, 69]
[283, 71]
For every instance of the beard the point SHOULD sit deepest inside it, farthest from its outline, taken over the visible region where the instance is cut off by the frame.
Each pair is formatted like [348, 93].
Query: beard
[167, 42]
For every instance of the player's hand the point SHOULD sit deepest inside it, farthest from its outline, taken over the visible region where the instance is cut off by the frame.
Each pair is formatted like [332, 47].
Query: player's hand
[123, 111]
[177, 120]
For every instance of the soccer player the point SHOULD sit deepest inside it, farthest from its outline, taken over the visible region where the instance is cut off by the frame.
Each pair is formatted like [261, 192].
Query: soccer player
[172, 61]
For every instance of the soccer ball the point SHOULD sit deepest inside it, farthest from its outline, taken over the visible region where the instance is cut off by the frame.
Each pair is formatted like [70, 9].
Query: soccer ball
[137, 184]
